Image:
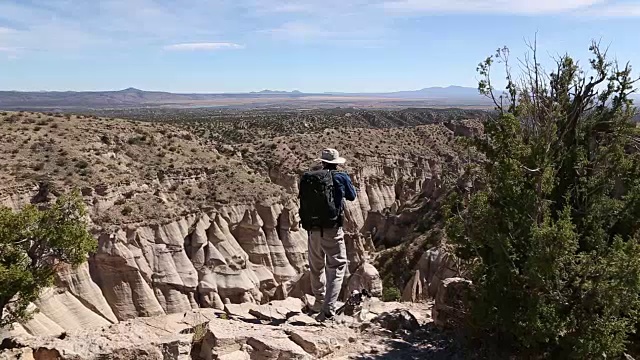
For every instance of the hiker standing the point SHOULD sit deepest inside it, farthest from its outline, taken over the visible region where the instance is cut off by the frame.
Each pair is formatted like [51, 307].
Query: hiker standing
[322, 195]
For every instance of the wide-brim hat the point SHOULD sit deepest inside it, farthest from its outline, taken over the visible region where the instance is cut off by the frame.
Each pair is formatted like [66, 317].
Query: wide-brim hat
[331, 156]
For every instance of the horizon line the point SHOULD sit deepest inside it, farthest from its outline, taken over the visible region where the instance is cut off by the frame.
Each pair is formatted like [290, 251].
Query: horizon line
[257, 92]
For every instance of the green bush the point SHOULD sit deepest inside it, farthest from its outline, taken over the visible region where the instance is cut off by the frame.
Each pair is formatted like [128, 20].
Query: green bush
[551, 232]
[33, 242]
[391, 293]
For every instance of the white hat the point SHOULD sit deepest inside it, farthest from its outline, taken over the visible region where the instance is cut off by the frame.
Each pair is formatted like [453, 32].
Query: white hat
[331, 156]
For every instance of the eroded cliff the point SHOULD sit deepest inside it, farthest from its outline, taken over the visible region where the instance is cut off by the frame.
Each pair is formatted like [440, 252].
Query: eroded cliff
[213, 226]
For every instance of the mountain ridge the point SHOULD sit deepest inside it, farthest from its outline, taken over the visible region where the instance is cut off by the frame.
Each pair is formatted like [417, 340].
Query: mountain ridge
[134, 97]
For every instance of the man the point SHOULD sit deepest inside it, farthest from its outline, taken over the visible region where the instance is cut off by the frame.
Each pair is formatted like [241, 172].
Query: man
[322, 195]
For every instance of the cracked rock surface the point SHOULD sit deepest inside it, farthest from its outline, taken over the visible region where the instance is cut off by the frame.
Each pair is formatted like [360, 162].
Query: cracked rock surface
[213, 334]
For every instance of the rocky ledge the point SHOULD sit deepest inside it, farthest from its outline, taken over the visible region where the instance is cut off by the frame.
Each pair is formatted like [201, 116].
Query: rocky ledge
[276, 330]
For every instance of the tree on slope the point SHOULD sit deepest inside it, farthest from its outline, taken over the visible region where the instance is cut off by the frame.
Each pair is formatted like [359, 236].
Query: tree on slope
[551, 229]
[32, 243]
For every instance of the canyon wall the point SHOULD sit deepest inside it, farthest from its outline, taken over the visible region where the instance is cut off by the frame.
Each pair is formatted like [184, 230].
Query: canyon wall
[253, 252]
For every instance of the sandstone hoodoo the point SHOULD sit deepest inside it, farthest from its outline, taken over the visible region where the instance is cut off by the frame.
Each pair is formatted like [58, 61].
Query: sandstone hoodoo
[184, 222]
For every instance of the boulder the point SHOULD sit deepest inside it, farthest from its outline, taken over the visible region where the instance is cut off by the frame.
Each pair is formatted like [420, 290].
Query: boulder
[294, 305]
[397, 320]
[318, 346]
[365, 277]
[222, 338]
[435, 265]
[230, 338]
[240, 310]
[449, 309]
[270, 313]
[277, 310]
[270, 348]
[302, 320]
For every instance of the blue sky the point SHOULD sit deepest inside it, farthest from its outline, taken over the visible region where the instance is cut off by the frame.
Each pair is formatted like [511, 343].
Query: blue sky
[309, 45]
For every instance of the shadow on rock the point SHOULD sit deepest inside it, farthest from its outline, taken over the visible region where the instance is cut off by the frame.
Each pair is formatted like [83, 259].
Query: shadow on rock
[427, 342]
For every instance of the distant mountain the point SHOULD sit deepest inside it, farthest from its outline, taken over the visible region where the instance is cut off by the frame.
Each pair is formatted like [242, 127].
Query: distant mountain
[275, 92]
[438, 92]
[434, 93]
[132, 97]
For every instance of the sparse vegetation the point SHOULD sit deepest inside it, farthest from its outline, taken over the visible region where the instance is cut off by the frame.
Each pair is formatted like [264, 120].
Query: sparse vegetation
[32, 243]
[391, 293]
[551, 236]
[127, 210]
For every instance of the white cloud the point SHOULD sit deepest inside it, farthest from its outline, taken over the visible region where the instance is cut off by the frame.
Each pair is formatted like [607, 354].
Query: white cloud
[6, 30]
[203, 46]
[613, 10]
[298, 30]
[77, 25]
[80, 26]
[524, 7]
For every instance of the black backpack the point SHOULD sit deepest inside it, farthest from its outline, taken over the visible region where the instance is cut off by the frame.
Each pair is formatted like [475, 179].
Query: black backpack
[317, 205]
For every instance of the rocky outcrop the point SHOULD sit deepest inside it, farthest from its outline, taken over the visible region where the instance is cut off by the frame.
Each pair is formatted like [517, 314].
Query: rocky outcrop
[397, 320]
[150, 338]
[365, 277]
[254, 252]
[213, 334]
[435, 265]
[450, 305]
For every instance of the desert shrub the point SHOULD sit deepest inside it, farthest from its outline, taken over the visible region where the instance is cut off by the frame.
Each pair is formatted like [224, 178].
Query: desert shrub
[127, 210]
[136, 140]
[391, 293]
[34, 242]
[81, 164]
[551, 235]
[38, 166]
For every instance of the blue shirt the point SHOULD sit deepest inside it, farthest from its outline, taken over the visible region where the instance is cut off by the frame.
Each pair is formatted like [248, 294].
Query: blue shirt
[344, 188]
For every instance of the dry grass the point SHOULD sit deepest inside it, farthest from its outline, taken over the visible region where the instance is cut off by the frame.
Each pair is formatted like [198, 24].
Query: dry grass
[92, 153]
[133, 171]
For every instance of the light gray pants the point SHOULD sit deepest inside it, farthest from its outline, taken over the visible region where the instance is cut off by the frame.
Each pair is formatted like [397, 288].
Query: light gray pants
[327, 244]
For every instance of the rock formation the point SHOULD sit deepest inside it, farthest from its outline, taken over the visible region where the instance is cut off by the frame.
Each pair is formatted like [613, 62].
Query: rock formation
[185, 243]
[450, 304]
[434, 266]
[243, 253]
[277, 331]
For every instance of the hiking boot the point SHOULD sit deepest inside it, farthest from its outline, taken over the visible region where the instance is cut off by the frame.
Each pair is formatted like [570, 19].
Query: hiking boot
[324, 316]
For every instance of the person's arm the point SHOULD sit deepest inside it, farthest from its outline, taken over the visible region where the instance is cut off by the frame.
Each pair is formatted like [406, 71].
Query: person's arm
[349, 189]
